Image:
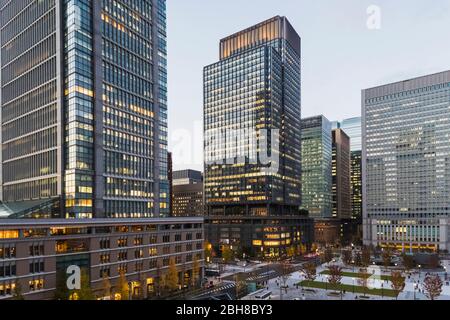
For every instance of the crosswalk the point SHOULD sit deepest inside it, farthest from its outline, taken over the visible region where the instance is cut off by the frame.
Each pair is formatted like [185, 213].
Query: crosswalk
[217, 290]
[262, 276]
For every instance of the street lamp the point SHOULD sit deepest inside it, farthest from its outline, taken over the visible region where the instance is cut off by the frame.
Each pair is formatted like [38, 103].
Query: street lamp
[415, 288]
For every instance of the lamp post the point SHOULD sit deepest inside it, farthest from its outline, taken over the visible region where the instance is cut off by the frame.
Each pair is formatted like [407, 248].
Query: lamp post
[415, 288]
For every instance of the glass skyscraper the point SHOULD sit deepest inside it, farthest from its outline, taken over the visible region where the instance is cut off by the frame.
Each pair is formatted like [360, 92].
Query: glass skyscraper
[316, 166]
[352, 127]
[340, 175]
[254, 89]
[84, 109]
[406, 163]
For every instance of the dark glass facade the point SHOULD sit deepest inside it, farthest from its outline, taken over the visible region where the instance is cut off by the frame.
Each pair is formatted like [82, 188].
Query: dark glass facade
[340, 175]
[352, 127]
[316, 166]
[254, 88]
[84, 106]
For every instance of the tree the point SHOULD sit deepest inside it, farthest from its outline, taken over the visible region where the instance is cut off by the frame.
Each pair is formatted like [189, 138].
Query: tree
[209, 252]
[159, 281]
[106, 286]
[408, 262]
[366, 256]
[61, 292]
[17, 293]
[397, 282]
[363, 281]
[122, 287]
[227, 254]
[291, 251]
[327, 255]
[358, 259]
[346, 256]
[302, 249]
[195, 273]
[286, 272]
[386, 256]
[85, 293]
[310, 271]
[433, 261]
[433, 287]
[240, 285]
[171, 278]
[335, 276]
[140, 295]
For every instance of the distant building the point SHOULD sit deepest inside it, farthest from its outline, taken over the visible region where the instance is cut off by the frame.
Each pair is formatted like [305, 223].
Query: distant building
[170, 178]
[316, 167]
[352, 127]
[188, 194]
[341, 189]
[406, 164]
[188, 176]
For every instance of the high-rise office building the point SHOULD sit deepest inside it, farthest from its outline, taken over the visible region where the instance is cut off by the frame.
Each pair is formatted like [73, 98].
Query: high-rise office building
[84, 135]
[352, 127]
[406, 163]
[316, 166]
[188, 176]
[340, 169]
[254, 92]
[188, 194]
[170, 179]
[84, 109]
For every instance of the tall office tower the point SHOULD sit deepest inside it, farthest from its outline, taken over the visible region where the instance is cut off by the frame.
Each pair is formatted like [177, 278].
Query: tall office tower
[83, 109]
[406, 163]
[316, 166]
[188, 176]
[341, 190]
[251, 104]
[352, 127]
[188, 194]
[170, 179]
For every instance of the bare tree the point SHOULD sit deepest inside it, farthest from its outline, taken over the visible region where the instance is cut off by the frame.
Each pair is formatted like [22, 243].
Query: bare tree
[335, 276]
[386, 256]
[310, 271]
[365, 256]
[286, 272]
[358, 259]
[327, 255]
[397, 282]
[433, 261]
[364, 280]
[408, 262]
[433, 287]
[346, 256]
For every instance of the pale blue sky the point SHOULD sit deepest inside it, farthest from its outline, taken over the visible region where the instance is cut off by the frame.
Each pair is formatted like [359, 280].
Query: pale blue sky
[340, 55]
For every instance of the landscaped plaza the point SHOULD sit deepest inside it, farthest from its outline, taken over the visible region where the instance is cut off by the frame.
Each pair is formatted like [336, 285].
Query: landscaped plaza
[379, 286]
[374, 282]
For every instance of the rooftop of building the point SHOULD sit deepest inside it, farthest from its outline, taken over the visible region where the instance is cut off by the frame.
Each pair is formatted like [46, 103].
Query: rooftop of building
[8, 223]
[287, 32]
[407, 85]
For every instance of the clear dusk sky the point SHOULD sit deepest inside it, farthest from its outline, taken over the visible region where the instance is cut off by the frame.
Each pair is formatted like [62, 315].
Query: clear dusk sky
[340, 54]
